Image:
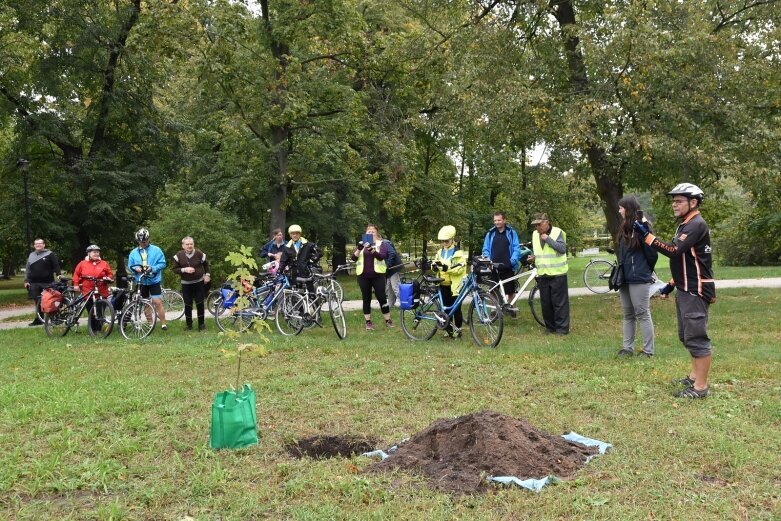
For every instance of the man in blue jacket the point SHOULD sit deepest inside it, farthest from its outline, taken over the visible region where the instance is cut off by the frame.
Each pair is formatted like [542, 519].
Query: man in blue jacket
[148, 262]
[501, 244]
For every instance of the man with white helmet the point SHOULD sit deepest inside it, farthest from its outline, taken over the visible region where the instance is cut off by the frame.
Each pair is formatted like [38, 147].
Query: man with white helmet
[450, 262]
[148, 262]
[691, 259]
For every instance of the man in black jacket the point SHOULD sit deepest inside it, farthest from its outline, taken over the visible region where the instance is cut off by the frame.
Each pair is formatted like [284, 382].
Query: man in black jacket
[42, 266]
[191, 264]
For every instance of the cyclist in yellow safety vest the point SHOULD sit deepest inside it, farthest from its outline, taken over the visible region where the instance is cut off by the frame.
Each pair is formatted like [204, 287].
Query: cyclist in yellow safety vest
[450, 263]
[369, 257]
[550, 257]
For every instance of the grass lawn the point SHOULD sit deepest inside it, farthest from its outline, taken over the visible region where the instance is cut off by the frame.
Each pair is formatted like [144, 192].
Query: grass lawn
[119, 430]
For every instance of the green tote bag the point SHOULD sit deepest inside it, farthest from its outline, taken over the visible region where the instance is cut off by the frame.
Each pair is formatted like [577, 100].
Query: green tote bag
[234, 422]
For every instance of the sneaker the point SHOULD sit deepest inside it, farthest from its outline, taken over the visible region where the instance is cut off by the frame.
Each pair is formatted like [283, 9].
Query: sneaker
[201, 327]
[626, 352]
[692, 393]
[188, 327]
[369, 325]
[35, 322]
[685, 381]
[164, 327]
[389, 323]
[643, 354]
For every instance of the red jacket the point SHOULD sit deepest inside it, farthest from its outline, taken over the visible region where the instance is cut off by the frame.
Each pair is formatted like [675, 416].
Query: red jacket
[97, 269]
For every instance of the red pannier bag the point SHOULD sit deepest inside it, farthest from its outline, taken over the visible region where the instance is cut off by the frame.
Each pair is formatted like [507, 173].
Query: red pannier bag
[51, 300]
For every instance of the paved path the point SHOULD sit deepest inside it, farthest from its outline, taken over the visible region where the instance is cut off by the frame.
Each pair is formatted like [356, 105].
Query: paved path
[355, 305]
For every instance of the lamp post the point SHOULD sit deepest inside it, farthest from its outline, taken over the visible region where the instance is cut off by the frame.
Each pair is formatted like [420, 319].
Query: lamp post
[25, 166]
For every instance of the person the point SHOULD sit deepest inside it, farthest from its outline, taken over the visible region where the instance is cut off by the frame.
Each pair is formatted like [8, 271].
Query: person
[502, 246]
[450, 263]
[637, 261]
[549, 244]
[370, 267]
[148, 262]
[394, 267]
[298, 257]
[191, 264]
[41, 268]
[272, 250]
[92, 266]
[691, 264]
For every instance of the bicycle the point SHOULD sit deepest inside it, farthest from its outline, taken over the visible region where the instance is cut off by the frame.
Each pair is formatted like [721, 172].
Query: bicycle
[485, 267]
[300, 309]
[138, 316]
[173, 304]
[485, 317]
[261, 302]
[100, 322]
[596, 275]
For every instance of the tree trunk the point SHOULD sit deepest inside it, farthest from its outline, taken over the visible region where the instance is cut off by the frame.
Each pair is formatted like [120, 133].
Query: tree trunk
[607, 176]
[339, 253]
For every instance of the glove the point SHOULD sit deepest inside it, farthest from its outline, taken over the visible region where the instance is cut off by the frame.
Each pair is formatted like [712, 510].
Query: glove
[436, 266]
[444, 267]
[667, 289]
[641, 228]
[360, 245]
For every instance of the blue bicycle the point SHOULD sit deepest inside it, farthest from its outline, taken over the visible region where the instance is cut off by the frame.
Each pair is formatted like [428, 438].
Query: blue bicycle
[486, 322]
[262, 302]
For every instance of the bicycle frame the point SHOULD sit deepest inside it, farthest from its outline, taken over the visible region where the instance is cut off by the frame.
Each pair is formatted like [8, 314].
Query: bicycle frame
[498, 287]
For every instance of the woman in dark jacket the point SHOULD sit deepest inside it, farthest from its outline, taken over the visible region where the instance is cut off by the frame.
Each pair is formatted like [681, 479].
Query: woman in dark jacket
[637, 261]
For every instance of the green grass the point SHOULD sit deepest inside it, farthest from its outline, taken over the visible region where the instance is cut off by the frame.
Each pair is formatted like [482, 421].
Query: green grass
[119, 430]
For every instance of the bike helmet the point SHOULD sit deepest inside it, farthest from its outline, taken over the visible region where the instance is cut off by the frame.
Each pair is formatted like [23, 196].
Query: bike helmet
[446, 233]
[93, 247]
[689, 190]
[294, 228]
[142, 235]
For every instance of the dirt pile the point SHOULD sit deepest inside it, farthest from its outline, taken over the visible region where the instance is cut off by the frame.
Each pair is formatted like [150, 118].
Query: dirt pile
[457, 455]
[331, 446]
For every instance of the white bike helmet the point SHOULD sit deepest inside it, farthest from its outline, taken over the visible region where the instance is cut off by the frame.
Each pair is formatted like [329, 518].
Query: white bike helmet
[142, 235]
[294, 228]
[93, 247]
[689, 190]
[446, 233]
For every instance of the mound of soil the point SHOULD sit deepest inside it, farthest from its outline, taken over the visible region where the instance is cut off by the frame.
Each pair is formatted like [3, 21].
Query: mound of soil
[458, 455]
[331, 446]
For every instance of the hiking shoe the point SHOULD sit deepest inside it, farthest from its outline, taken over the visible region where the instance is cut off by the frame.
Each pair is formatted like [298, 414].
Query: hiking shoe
[389, 323]
[692, 393]
[35, 322]
[369, 325]
[188, 327]
[201, 327]
[164, 327]
[685, 381]
[643, 354]
[626, 352]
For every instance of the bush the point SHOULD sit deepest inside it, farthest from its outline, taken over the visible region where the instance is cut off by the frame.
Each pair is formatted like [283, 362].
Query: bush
[745, 240]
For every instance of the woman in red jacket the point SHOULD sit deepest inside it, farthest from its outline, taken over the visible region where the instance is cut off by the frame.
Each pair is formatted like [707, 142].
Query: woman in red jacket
[92, 266]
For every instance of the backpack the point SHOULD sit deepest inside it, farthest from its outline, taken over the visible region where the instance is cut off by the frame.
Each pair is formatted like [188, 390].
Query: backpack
[51, 300]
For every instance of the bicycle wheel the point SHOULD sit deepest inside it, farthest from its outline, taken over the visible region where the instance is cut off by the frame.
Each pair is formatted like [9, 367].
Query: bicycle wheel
[211, 299]
[421, 323]
[535, 305]
[596, 276]
[337, 315]
[329, 285]
[137, 320]
[235, 319]
[486, 321]
[56, 324]
[101, 319]
[290, 313]
[173, 304]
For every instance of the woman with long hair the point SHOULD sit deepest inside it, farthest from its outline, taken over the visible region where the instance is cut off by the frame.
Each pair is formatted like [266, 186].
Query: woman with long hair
[637, 260]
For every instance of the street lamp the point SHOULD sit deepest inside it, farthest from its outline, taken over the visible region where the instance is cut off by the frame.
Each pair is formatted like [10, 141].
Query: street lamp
[25, 166]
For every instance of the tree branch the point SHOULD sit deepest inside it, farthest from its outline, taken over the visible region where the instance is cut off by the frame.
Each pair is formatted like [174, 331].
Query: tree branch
[732, 18]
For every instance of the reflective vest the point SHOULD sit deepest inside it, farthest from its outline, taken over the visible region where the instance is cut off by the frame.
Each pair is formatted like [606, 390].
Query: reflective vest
[379, 265]
[450, 257]
[549, 262]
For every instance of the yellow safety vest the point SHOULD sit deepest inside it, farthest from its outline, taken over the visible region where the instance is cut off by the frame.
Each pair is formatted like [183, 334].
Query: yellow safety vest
[379, 265]
[453, 276]
[549, 262]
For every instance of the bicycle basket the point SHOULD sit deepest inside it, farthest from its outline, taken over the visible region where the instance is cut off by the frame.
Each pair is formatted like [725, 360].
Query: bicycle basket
[481, 266]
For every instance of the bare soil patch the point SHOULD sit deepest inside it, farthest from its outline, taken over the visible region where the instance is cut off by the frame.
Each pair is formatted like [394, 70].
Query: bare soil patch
[331, 446]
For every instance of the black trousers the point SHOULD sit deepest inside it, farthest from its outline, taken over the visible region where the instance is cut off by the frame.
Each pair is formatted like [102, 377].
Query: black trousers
[378, 285]
[192, 292]
[449, 299]
[554, 300]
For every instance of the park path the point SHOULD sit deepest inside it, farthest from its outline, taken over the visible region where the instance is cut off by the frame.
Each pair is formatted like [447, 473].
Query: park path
[355, 305]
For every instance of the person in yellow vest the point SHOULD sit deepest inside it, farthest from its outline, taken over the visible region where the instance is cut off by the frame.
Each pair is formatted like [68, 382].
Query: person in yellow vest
[450, 263]
[371, 268]
[550, 256]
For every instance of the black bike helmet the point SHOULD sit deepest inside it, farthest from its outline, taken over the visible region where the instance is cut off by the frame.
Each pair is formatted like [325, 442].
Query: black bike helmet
[688, 190]
[142, 235]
